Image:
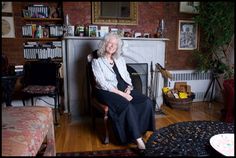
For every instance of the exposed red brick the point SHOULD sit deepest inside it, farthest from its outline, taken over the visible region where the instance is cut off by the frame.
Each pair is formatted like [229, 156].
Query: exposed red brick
[149, 13]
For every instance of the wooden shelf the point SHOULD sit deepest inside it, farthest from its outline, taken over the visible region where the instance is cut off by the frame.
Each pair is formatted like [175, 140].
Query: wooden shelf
[55, 60]
[43, 19]
[43, 39]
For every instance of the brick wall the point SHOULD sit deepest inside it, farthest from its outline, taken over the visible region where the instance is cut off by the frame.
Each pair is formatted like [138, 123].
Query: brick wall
[148, 15]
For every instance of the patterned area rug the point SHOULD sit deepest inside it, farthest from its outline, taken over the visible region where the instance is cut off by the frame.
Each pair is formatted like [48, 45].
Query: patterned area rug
[117, 152]
[189, 138]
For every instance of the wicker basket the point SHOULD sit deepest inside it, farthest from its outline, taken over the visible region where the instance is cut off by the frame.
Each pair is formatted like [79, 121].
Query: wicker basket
[183, 104]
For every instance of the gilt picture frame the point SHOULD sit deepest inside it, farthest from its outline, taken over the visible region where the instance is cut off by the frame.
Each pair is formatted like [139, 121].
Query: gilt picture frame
[98, 18]
[187, 35]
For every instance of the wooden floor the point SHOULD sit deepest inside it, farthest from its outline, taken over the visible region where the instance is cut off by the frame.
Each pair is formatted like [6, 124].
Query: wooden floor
[78, 135]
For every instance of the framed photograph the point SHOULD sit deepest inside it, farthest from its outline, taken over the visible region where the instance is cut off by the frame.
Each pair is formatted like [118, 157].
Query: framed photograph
[45, 32]
[146, 35]
[6, 7]
[137, 35]
[93, 31]
[188, 7]
[8, 29]
[79, 30]
[26, 13]
[127, 32]
[71, 30]
[104, 30]
[187, 35]
[115, 30]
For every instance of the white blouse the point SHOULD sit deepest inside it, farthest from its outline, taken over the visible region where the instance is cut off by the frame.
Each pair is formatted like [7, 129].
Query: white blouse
[105, 76]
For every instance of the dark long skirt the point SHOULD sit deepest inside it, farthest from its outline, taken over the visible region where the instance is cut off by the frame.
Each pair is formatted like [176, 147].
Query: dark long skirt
[130, 119]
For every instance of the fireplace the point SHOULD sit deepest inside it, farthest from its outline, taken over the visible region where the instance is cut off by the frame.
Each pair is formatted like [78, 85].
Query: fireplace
[139, 76]
[135, 52]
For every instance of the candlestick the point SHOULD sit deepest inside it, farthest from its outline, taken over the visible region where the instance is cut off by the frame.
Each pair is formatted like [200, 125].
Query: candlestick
[67, 20]
[161, 29]
[162, 24]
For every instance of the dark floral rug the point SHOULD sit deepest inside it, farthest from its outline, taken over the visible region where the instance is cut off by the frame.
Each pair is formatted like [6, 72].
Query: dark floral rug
[189, 138]
[117, 152]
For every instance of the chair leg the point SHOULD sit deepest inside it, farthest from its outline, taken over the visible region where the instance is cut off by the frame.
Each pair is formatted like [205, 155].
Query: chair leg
[32, 101]
[93, 118]
[55, 110]
[59, 105]
[23, 101]
[106, 140]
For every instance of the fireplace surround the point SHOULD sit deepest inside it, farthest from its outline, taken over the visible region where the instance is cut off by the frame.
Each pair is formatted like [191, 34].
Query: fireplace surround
[135, 51]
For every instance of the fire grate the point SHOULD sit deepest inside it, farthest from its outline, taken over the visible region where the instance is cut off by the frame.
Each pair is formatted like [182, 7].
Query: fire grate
[139, 76]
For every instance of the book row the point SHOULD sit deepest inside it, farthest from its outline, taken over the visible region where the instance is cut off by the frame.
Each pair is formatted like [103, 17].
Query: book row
[52, 44]
[38, 31]
[39, 53]
[36, 11]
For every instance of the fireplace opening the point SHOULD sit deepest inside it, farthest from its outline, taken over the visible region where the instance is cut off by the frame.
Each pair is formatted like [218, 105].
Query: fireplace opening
[139, 76]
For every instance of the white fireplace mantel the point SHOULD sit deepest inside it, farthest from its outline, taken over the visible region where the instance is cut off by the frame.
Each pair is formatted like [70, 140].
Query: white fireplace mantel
[135, 50]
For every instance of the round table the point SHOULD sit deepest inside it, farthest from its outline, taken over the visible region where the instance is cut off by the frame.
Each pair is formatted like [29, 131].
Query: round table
[189, 138]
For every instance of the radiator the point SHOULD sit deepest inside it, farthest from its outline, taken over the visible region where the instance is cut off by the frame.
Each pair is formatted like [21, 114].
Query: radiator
[198, 81]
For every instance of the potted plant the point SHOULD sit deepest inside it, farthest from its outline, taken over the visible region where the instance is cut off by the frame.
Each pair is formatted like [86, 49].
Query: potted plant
[216, 21]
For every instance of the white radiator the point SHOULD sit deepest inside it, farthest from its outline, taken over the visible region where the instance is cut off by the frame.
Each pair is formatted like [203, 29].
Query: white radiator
[198, 81]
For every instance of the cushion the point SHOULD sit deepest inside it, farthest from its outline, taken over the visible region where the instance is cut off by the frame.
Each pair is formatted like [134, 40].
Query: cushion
[36, 89]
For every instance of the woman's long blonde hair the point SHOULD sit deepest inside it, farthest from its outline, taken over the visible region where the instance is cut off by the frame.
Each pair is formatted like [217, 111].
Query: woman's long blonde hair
[102, 45]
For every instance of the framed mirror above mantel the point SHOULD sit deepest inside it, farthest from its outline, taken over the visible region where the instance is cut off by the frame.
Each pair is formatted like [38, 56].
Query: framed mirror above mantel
[115, 13]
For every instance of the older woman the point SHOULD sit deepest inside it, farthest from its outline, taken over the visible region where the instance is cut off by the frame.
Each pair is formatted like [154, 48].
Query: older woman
[130, 111]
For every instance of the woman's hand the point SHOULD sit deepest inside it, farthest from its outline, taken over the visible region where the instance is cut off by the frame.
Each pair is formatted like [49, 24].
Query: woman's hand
[128, 90]
[123, 94]
[128, 96]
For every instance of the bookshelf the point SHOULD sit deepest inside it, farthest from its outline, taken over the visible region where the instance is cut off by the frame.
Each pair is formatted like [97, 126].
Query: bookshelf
[43, 19]
[42, 31]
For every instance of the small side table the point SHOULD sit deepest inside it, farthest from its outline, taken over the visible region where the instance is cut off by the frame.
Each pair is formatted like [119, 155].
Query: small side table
[8, 85]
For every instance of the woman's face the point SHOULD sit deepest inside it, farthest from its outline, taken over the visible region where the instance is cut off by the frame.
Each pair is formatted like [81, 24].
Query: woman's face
[111, 45]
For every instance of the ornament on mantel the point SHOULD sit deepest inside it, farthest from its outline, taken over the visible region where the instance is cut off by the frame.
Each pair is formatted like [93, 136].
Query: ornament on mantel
[68, 28]
[162, 28]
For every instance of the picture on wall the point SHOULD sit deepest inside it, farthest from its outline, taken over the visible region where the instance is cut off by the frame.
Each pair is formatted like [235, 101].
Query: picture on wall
[187, 35]
[6, 7]
[188, 7]
[8, 30]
